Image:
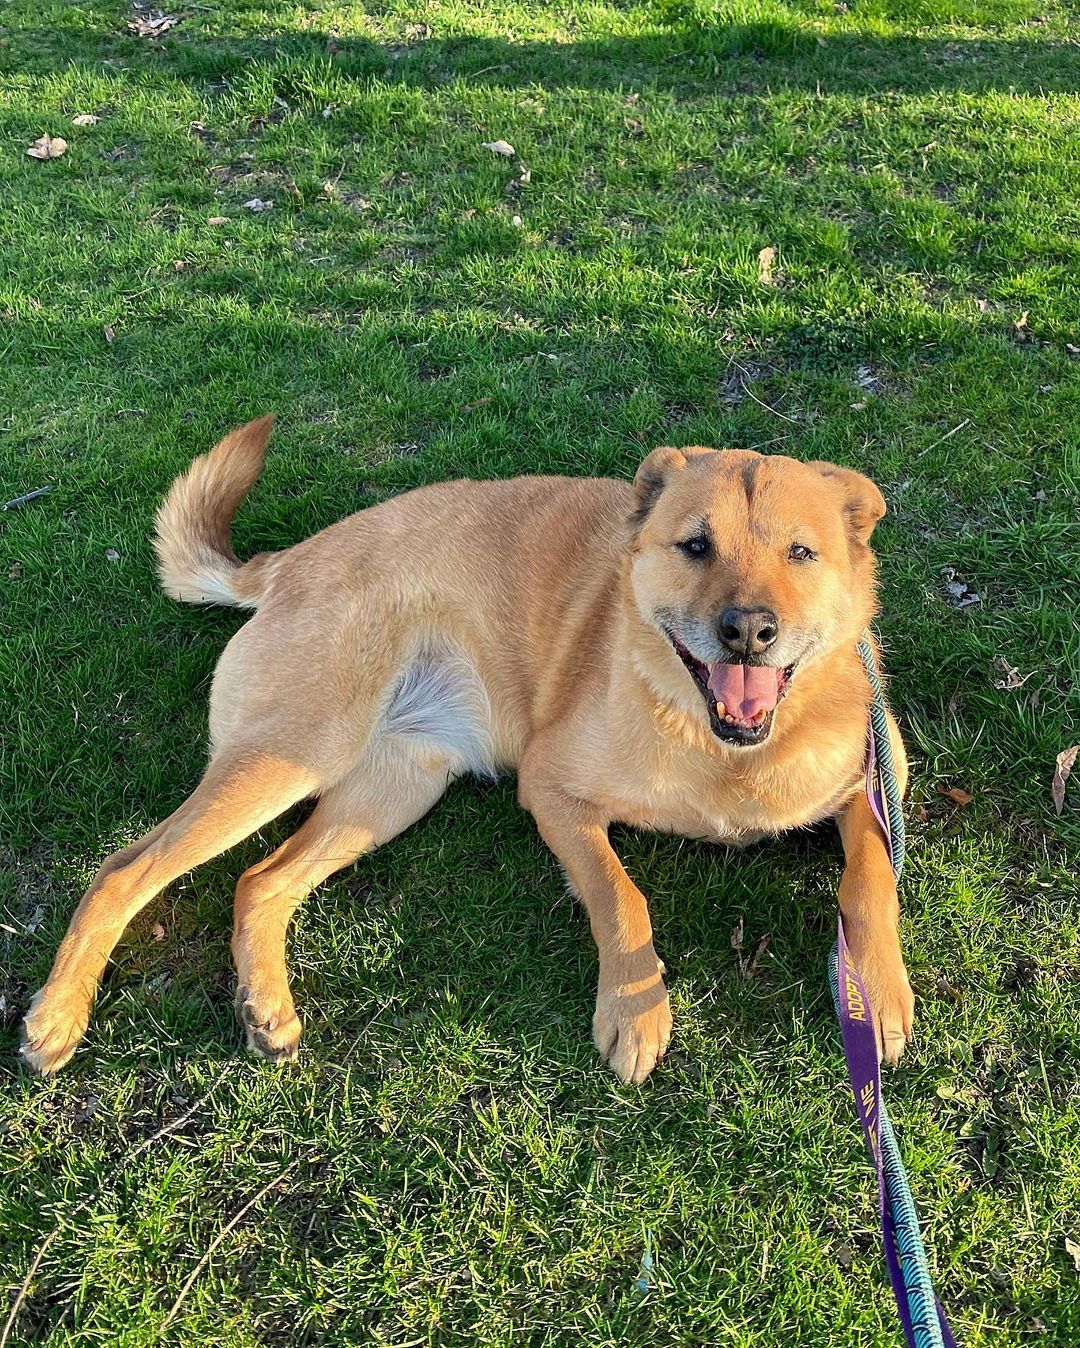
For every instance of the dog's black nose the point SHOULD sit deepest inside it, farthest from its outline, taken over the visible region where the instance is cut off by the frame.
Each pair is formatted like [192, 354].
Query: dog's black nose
[748, 631]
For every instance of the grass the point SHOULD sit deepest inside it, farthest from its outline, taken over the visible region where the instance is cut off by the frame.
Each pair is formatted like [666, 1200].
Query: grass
[464, 1172]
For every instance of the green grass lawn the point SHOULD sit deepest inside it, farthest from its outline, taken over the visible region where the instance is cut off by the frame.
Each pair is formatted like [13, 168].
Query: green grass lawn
[415, 307]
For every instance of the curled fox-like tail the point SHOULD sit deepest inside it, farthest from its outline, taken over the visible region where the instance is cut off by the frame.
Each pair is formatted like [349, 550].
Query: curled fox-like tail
[196, 561]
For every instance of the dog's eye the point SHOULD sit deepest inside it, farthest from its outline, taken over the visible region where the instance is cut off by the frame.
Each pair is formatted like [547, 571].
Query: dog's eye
[799, 552]
[698, 546]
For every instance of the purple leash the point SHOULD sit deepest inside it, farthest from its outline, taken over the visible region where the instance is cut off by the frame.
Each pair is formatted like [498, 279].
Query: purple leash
[923, 1320]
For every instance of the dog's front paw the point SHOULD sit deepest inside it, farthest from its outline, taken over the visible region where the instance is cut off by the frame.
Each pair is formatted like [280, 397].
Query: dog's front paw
[892, 1003]
[632, 1023]
[271, 1026]
[53, 1027]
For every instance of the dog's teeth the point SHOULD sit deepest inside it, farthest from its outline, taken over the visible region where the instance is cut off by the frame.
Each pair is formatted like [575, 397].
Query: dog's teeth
[730, 720]
[720, 709]
[760, 717]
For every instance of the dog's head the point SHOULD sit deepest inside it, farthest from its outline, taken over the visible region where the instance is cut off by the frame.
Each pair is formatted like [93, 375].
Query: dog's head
[753, 567]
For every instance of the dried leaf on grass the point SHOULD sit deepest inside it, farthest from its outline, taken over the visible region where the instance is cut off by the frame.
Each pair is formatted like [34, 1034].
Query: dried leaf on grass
[152, 25]
[755, 959]
[766, 259]
[956, 794]
[1065, 761]
[257, 204]
[748, 964]
[218, 220]
[47, 147]
[1011, 678]
[1071, 1247]
[502, 147]
[961, 594]
[85, 119]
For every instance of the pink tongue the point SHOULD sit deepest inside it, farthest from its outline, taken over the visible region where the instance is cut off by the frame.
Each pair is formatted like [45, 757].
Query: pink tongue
[745, 690]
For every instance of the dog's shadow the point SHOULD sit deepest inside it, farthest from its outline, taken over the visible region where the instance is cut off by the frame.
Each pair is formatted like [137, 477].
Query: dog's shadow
[459, 943]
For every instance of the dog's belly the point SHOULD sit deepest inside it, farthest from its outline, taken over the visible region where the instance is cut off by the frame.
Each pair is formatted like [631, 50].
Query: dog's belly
[440, 714]
[689, 822]
[718, 828]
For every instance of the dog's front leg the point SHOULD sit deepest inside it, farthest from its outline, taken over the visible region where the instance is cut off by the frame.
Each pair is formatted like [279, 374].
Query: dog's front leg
[632, 1023]
[871, 912]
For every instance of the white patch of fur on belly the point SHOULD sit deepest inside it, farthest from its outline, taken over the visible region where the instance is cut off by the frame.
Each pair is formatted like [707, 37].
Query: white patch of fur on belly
[440, 706]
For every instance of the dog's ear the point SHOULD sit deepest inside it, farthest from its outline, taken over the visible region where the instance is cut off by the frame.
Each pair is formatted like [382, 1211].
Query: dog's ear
[654, 475]
[864, 504]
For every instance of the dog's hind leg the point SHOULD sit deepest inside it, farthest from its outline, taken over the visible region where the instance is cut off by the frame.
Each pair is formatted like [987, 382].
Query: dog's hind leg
[289, 716]
[241, 791]
[390, 790]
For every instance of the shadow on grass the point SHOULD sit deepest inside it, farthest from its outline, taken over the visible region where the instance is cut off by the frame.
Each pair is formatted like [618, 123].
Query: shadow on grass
[487, 938]
[734, 58]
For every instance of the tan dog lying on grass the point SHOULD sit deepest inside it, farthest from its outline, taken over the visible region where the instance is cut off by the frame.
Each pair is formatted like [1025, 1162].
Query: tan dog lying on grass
[678, 654]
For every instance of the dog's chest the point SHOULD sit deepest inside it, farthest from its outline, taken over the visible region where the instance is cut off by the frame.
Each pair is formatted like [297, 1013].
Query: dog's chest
[730, 821]
[701, 800]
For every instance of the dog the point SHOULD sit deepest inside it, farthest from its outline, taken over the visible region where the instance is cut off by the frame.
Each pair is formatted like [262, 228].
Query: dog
[678, 654]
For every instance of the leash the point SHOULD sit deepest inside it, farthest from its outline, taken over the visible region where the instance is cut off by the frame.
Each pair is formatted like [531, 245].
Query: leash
[923, 1320]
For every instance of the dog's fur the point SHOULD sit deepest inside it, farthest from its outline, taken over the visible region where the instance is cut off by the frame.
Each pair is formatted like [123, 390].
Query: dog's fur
[548, 625]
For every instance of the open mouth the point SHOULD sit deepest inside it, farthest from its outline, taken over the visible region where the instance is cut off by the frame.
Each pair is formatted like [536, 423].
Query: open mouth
[741, 699]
